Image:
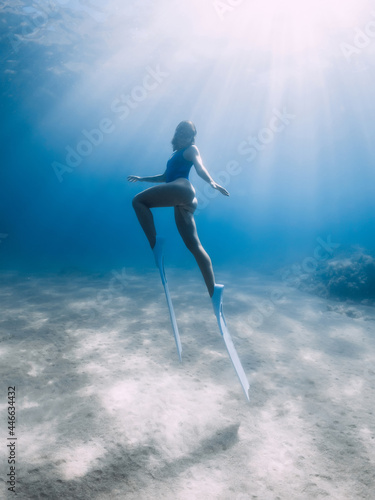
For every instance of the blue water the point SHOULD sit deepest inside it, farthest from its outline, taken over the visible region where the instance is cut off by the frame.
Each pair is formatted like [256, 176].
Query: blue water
[282, 96]
[92, 92]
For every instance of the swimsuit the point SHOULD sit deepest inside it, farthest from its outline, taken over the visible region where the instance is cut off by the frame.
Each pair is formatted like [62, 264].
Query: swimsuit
[177, 166]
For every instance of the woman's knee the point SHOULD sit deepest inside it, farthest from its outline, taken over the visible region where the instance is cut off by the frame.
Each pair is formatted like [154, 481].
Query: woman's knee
[193, 204]
[137, 201]
[187, 210]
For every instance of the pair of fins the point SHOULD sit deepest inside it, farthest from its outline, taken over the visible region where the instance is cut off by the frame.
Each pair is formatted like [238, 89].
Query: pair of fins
[218, 310]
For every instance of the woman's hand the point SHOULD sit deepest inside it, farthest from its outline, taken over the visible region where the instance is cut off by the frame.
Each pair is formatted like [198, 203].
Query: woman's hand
[219, 188]
[134, 178]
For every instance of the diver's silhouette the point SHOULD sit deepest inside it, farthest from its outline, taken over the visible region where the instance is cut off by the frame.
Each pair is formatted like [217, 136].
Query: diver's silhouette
[177, 191]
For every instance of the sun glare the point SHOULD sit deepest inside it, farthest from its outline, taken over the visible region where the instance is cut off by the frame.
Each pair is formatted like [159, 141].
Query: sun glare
[288, 26]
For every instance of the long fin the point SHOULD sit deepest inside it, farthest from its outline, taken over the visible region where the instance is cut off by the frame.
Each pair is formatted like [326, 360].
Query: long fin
[218, 310]
[159, 260]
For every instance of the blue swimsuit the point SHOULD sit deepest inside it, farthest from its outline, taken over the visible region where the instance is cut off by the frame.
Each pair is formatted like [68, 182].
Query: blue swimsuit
[177, 166]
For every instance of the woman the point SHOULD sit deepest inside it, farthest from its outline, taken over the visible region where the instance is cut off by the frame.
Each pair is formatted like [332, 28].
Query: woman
[177, 191]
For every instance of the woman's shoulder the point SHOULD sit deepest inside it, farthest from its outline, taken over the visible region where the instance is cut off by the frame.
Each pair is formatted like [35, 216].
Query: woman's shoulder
[191, 152]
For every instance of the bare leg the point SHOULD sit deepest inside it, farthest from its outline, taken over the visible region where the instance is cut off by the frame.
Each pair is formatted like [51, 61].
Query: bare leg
[179, 192]
[146, 219]
[186, 226]
[181, 195]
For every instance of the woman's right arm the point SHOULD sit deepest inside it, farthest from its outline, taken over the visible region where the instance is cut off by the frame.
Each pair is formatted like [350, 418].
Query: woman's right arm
[195, 158]
[153, 178]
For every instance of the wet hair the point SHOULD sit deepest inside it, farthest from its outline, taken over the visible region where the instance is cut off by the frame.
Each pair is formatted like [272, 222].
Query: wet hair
[185, 128]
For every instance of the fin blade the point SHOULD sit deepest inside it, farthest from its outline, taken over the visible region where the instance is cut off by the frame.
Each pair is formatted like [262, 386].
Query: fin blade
[159, 260]
[237, 365]
[171, 314]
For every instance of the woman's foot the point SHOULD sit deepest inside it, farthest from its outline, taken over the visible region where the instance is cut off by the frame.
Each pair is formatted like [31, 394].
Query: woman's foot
[217, 299]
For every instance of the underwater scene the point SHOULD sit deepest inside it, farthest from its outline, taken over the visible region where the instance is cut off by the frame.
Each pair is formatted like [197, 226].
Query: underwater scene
[187, 249]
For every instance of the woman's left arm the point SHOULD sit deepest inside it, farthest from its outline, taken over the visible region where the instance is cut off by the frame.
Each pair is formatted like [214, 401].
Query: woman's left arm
[192, 154]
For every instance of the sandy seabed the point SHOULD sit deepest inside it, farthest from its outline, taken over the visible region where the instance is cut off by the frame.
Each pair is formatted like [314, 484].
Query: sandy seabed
[104, 409]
